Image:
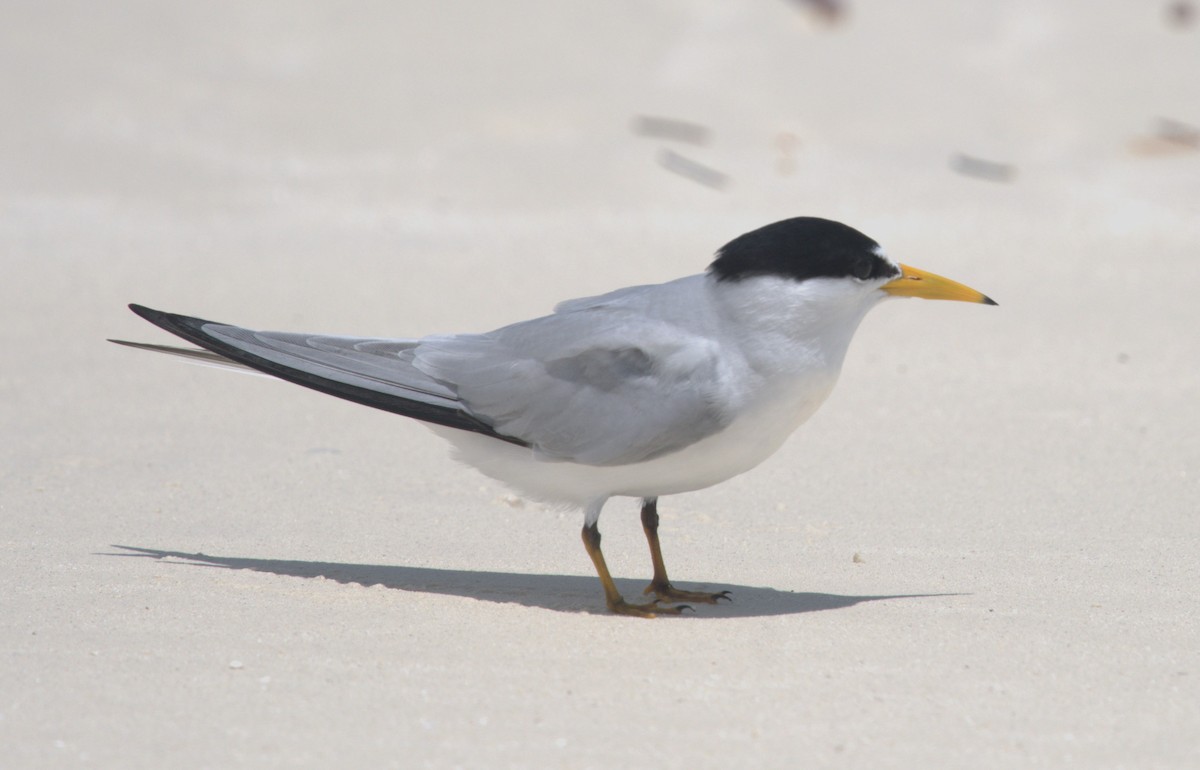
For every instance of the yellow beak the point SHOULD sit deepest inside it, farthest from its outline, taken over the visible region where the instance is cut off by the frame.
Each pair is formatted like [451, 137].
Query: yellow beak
[918, 283]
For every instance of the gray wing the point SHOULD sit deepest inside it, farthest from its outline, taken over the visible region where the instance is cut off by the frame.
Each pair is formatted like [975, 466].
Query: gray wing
[372, 371]
[602, 387]
[606, 381]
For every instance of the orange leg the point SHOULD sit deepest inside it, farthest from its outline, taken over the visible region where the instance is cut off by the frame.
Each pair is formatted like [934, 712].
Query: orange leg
[660, 584]
[616, 603]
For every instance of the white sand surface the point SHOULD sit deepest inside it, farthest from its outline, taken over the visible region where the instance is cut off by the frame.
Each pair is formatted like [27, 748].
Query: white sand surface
[983, 552]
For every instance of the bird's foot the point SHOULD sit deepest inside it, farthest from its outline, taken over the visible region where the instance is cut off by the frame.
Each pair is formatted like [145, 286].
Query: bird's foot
[669, 593]
[649, 610]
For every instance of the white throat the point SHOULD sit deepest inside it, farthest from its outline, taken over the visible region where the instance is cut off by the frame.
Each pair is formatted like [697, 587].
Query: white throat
[789, 327]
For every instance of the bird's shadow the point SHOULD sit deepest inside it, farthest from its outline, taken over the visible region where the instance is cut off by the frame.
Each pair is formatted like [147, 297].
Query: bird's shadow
[561, 593]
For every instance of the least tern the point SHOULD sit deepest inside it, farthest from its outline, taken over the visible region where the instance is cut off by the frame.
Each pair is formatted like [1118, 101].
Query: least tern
[642, 392]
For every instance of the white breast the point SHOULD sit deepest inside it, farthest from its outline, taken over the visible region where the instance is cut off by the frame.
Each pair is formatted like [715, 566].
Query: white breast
[785, 343]
[751, 438]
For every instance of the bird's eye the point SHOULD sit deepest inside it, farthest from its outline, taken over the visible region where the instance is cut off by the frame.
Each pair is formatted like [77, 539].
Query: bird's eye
[863, 267]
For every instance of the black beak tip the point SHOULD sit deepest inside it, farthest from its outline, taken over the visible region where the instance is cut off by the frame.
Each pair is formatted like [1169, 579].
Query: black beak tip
[989, 301]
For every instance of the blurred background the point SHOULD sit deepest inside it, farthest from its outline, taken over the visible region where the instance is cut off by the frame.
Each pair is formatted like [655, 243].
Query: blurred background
[405, 168]
[344, 150]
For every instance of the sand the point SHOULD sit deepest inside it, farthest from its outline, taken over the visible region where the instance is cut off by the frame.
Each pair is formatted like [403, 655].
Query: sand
[982, 552]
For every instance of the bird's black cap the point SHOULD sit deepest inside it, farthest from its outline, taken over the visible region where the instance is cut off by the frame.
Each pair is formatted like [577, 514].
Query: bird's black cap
[802, 248]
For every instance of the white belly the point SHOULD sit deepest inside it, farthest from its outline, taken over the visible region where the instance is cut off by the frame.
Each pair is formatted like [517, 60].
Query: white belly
[751, 438]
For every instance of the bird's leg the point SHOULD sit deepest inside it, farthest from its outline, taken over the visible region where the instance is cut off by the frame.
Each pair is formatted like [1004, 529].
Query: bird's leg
[616, 603]
[660, 584]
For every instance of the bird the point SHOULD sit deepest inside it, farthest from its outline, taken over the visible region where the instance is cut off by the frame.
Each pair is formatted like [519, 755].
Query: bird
[642, 392]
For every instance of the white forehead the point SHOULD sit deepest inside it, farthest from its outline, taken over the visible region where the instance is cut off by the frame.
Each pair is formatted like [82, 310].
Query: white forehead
[879, 252]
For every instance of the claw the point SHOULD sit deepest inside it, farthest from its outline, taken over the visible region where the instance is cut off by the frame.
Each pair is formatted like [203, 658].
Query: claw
[648, 610]
[665, 592]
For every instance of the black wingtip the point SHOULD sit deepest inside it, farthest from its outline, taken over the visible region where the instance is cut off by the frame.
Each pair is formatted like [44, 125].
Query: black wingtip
[184, 326]
[146, 312]
[193, 330]
[156, 317]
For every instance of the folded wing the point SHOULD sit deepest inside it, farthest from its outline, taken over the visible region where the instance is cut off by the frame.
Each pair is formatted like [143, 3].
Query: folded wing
[370, 371]
[598, 385]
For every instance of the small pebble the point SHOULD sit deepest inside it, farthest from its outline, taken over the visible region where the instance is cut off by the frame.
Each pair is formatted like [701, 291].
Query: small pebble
[989, 170]
[672, 129]
[690, 169]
